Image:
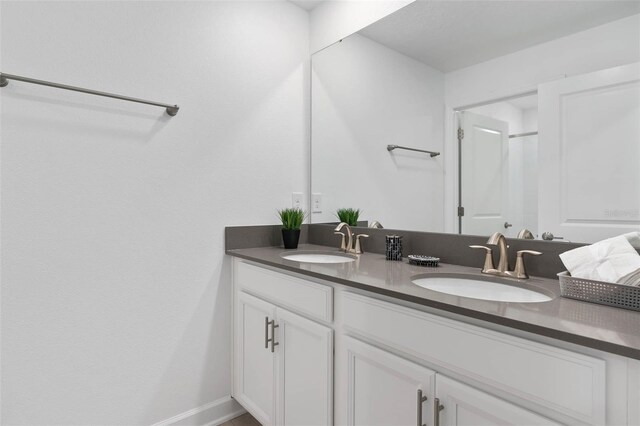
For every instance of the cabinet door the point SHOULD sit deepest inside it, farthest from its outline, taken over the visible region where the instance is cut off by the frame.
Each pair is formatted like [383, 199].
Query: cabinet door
[464, 405]
[382, 388]
[254, 364]
[305, 371]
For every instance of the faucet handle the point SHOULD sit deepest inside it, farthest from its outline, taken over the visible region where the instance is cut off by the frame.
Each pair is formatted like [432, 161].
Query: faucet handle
[343, 244]
[358, 248]
[531, 252]
[520, 271]
[488, 258]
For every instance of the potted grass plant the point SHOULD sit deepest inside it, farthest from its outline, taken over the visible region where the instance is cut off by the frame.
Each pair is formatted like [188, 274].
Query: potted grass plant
[349, 216]
[292, 219]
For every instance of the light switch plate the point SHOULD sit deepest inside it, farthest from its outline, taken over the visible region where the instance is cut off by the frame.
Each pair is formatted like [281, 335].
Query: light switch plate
[297, 200]
[316, 202]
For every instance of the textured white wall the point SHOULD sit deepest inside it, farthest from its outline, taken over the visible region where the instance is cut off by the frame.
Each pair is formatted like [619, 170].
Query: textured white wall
[115, 289]
[333, 20]
[365, 97]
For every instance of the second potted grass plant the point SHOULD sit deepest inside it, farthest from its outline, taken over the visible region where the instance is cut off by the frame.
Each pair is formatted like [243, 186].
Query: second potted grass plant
[349, 216]
[291, 222]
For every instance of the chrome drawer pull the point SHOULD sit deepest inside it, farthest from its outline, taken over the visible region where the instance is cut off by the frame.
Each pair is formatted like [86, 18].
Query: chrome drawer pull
[421, 399]
[273, 335]
[266, 333]
[437, 407]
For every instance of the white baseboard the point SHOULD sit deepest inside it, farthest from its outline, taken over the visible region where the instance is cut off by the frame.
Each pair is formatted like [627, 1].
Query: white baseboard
[213, 413]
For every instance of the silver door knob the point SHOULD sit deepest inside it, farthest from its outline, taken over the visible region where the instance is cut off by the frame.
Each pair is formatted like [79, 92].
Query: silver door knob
[548, 236]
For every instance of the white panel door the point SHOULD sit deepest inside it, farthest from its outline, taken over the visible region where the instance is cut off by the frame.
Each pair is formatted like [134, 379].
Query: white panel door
[485, 171]
[466, 406]
[382, 388]
[254, 363]
[589, 154]
[305, 371]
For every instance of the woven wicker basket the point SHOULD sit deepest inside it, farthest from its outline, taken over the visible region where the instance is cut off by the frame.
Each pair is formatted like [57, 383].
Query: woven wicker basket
[603, 293]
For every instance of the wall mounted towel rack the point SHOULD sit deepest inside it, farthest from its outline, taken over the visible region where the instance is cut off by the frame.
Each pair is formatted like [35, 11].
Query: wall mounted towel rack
[431, 153]
[522, 135]
[172, 110]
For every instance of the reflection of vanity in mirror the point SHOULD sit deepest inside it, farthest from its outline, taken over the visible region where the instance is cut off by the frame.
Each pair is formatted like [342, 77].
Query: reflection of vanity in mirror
[531, 111]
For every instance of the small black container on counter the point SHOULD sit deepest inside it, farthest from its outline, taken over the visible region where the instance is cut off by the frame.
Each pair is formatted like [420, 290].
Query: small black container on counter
[393, 247]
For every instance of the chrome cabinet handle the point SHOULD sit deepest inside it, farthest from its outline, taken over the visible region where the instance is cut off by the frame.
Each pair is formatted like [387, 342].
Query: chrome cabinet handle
[421, 399]
[273, 336]
[437, 407]
[271, 339]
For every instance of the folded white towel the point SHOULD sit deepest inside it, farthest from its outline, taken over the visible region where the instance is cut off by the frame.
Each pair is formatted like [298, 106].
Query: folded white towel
[631, 279]
[632, 237]
[613, 260]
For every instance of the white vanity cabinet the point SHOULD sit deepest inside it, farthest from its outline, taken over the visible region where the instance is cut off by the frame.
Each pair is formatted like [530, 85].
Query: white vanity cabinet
[283, 362]
[462, 405]
[384, 389]
[551, 381]
[395, 362]
[255, 365]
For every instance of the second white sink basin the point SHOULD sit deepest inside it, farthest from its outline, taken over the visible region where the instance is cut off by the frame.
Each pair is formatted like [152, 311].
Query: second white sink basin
[484, 290]
[319, 257]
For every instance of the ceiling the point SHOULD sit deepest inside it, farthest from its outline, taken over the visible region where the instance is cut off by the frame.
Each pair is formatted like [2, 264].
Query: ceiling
[307, 4]
[449, 35]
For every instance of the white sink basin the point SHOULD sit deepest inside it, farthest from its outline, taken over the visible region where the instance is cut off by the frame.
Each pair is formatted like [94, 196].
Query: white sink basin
[317, 257]
[485, 290]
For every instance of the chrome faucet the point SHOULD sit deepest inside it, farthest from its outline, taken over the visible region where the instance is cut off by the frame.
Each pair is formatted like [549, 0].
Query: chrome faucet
[503, 263]
[525, 234]
[351, 244]
[499, 240]
[345, 246]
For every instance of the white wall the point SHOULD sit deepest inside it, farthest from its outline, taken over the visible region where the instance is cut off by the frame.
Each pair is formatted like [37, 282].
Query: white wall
[115, 287]
[606, 46]
[335, 19]
[610, 45]
[365, 97]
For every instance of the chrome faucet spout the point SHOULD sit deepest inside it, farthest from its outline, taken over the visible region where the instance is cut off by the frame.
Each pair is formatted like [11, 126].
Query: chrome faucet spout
[499, 240]
[349, 244]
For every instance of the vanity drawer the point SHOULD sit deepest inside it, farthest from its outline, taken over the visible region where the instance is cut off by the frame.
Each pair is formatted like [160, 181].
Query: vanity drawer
[299, 295]
[566, 382]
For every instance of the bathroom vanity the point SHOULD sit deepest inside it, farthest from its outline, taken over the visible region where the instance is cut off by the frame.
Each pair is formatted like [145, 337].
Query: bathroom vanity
[359, 343]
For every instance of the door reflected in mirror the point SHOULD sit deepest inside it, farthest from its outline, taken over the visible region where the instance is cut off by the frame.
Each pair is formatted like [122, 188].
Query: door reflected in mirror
[499, 164]
[536, 121]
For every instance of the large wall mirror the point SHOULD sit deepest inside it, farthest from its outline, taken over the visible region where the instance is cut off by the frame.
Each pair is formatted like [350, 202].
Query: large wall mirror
[520, 117]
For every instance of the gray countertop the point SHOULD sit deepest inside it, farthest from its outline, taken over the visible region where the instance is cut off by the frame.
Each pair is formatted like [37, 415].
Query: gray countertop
[600, 327]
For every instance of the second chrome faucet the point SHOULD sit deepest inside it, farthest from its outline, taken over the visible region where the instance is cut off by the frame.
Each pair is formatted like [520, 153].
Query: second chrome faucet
[503, 263]
[350, 244]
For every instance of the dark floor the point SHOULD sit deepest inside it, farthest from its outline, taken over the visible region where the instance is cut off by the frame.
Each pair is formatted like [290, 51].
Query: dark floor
[244, 420]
